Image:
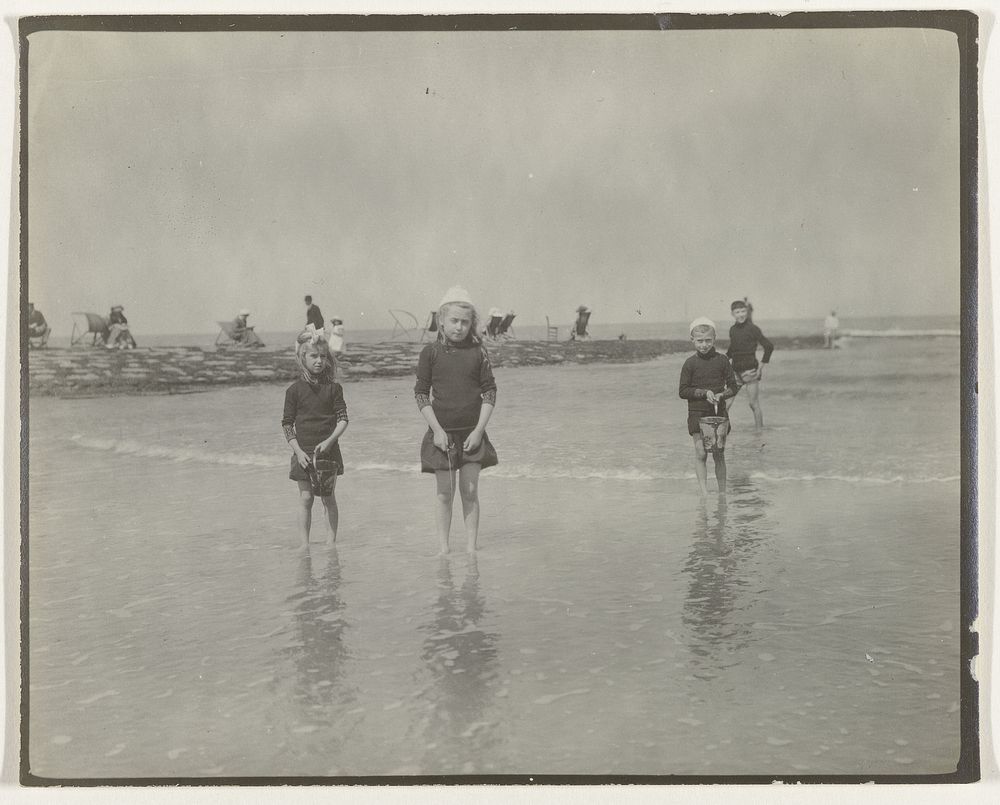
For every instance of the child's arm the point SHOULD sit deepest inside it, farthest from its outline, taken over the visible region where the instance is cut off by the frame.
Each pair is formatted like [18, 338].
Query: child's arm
[729, 378]
[328, 442]
[766, 343]
[288, 426]
[488, 391]
[687, 390]
[440, 437]
[340, 409]
[476, 437]
[422, 394]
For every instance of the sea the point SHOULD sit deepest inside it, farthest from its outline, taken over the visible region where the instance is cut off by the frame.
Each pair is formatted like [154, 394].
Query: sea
[869, 326]
[613, 622]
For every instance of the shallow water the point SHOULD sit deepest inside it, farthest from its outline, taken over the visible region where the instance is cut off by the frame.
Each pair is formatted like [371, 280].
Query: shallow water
[612, 623]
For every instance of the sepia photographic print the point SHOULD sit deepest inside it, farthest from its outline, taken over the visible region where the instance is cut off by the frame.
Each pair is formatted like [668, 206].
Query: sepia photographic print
[498, 398]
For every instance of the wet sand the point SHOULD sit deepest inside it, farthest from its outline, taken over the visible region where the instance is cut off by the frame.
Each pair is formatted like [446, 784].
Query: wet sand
[612, 622]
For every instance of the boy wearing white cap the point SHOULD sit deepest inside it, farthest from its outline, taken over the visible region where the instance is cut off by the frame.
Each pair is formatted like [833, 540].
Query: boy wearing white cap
[707, 381]
[456, 393]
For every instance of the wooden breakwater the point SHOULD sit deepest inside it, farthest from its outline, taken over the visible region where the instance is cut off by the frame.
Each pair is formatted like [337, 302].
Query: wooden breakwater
[89, 371]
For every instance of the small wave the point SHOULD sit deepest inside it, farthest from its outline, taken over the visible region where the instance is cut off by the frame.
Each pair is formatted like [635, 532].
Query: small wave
[512, 471]
[385, 466]
[131, 447]
[855, 479]
[897, 333]
[536, 472]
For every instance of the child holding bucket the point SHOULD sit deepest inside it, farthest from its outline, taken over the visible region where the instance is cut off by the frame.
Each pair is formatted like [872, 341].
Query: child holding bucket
[315, 416]
[707, 381]
[456, 394]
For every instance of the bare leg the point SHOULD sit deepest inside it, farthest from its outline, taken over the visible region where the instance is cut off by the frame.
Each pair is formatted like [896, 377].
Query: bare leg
[332, 513]
[442, 512]
[753, 397]
[700, 458]
[305, 510]
[468, 487]
[720, 469]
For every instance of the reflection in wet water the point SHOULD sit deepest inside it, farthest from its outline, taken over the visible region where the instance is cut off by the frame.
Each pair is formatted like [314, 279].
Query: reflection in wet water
[724, 579]
[319, 654]
[462, 659]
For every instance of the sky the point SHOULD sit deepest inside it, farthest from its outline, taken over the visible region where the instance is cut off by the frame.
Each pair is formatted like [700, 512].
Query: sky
[650, 175]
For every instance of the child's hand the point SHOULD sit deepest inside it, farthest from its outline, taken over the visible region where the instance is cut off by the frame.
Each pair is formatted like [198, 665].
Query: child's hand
[473, 441]
[303, 458]
[441, 440]
[711, 396]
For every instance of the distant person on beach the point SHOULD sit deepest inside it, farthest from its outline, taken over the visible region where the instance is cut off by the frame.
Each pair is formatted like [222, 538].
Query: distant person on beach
[456, 394]
[241, 330]
[831, 328]
[314, 418]
[314, 315]
[337, 336]
[37, 326]
[119, 336]
[744, 338]
[707, 380]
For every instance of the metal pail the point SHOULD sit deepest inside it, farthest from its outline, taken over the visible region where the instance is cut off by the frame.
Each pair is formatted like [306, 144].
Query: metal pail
[713, 432]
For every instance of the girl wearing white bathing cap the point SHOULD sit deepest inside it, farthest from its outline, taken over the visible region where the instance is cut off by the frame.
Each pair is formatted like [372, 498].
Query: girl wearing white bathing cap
[456, 393]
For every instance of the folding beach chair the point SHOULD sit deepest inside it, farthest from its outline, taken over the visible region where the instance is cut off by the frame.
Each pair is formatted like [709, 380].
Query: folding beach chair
[431, 326]
[96, 328]
[404, 323]
[492, 329]
[505, 330]
[551, 332]
[228, 337]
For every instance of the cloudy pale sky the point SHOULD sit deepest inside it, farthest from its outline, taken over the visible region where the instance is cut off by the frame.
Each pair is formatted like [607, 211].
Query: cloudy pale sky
[186, 175]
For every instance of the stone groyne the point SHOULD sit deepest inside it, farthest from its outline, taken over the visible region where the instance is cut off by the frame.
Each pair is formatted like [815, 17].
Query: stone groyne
[90, 371]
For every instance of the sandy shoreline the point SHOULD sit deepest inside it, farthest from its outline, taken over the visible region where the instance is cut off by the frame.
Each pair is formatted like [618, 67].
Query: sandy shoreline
[89, 371]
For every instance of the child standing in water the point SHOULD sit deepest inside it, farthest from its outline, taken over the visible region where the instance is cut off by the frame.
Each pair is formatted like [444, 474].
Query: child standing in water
[314, 418]
[456, 394]
[707, 380]
[744, 336]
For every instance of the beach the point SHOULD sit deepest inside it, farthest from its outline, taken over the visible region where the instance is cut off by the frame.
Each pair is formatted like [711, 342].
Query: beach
[612, 623]
[95, 371]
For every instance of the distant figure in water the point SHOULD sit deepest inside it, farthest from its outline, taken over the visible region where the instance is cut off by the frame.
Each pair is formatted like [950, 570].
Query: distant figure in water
[456, 394]
[314, 315]
[744, 337]
[313, 420]
[831, 327]
[707, 381]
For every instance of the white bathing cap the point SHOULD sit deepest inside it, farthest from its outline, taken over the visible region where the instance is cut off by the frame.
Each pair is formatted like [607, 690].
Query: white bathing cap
[455, 294]
[701, 321]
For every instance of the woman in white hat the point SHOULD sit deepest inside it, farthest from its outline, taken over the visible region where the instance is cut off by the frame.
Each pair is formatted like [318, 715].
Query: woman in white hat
[456, 394]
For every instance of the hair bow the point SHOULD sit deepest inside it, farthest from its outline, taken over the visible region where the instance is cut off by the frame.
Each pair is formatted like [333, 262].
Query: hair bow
[312, 336]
